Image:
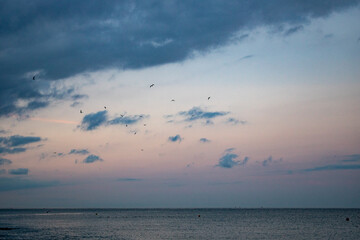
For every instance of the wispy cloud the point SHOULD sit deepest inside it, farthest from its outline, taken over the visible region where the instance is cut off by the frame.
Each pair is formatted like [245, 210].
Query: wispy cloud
[92, 158]
[235, 121]
[197, 113]
[293, 30]
[79, 151]
[270, 160]
[19, 171]
[227, 160]
[94, 120]
[332, 168]
[175, 138]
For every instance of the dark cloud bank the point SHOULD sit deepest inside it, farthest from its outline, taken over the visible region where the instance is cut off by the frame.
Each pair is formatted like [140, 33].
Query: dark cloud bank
[57, 39]
[15, 144]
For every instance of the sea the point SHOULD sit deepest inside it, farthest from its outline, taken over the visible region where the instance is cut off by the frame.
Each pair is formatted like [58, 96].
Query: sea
[174, 224]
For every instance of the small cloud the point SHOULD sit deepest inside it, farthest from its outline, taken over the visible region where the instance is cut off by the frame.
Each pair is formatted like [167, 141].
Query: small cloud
[93, 120]
[129, 179]
[227, 160]
[293, 30]
[4, 161]
[127, 120]
[328, 36]
[79, 151]
[234, 121]
[36, 105]
[92, 158]
[204, 140]
[270, 160]
[175, 138]
[197, 113]
[17, 140]
[19, 171]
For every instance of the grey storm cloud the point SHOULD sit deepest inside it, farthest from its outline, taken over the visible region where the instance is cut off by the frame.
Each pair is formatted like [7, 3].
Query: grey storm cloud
[58, 39]
[9, 184]
[92, 158]
[293, 30]
[19, 171]
[227, 160]
[175, 138]
[79, 151]
[10, 145]
[94, 120]
[4, 161]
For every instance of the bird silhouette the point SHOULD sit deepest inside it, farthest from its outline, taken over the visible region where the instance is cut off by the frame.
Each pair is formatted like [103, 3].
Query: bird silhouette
[173, 100]
[34, 77]
[208, 98]
[81, 111]
[151, 85]
[105, 107]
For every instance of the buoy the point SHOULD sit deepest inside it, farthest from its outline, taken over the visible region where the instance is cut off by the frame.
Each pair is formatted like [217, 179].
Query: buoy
[347, 219]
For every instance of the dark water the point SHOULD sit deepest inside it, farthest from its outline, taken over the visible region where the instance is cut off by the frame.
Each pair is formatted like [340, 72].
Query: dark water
[180, 224]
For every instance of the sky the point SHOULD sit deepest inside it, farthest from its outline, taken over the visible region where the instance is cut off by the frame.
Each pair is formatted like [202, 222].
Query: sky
[179, 104]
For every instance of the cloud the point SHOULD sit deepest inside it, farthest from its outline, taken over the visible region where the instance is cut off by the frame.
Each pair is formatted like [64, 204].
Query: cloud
[293, 30]
[9, 184]
[235, 121]
[129, 179]
[4, 161]
[79, 96]
[79, 36]
[204, 140]
[94, 120]
[227, 160]
[92, 158]
[175, 138]
[197, 113]
[246, 57]
[19, 171]
[17, 140]
[79, 151]
[9, 145]
[332, 168]
[127, 120]
[270, 160]
[352, 158]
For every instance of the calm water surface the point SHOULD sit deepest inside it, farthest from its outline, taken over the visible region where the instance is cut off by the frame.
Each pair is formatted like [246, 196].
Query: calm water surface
[180, 224]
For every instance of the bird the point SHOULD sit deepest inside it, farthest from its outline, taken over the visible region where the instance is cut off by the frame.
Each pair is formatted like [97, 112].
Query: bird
[121, 115]
[134, 133]
[80, 111]
[142, 150]
[34, 77]
[144, 124]
[208, 98]
[105, 107]
[151, 85]
[126, 125]
[173, 100]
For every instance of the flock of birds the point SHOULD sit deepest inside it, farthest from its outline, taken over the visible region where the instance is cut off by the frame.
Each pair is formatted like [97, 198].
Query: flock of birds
[122, 115]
